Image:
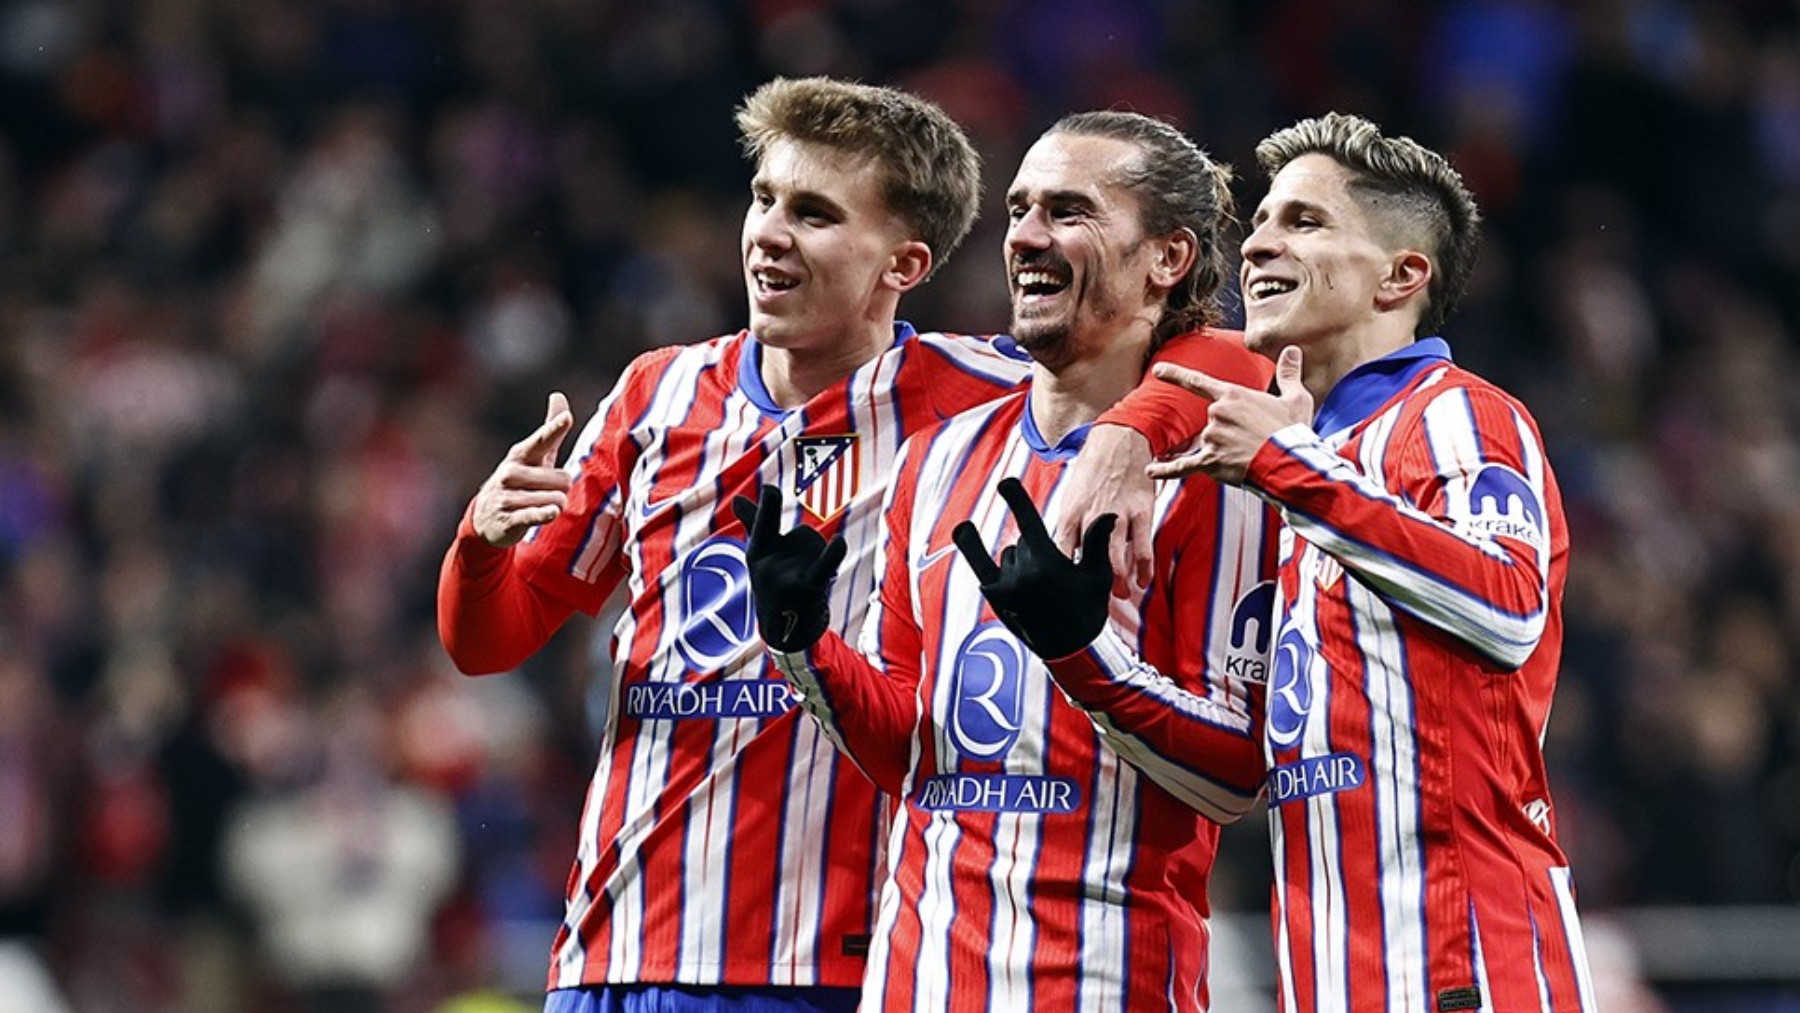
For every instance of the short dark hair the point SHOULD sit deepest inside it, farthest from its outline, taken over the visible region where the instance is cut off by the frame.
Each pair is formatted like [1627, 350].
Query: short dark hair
[1410, 186]
[931, 175]
[1178, 186]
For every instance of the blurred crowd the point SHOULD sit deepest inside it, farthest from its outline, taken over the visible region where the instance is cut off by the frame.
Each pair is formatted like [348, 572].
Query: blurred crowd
[281, 279]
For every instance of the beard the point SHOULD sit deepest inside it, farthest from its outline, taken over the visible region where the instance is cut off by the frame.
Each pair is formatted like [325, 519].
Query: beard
[1046, 341]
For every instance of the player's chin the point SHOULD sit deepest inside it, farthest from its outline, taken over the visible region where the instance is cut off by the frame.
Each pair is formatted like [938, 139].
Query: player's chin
[1263, 337]
[771, 329]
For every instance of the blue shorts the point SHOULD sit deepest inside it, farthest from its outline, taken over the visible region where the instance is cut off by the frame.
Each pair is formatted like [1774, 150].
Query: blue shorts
[691, 999]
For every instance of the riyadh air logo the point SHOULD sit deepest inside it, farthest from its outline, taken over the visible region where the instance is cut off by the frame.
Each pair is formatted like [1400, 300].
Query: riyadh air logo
[714, 604]
[986, 701]
[1252, 619]
[1503, 504]
[1291, 691]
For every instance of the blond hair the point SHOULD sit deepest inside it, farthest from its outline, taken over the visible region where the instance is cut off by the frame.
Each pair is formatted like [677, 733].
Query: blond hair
[1405, 186]
[931, 175]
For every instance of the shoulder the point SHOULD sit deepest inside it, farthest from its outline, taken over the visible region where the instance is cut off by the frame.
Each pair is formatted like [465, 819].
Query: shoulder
[987, 352]
[1220, 353]
[651, 368]
[1443, 388]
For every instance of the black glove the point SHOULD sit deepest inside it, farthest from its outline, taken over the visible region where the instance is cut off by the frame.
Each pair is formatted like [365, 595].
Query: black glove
[790, 574]
[1054, 604]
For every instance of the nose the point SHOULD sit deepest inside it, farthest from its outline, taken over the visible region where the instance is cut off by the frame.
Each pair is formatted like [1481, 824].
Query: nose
[1029, 232]
[765, 229]
[1261, 244]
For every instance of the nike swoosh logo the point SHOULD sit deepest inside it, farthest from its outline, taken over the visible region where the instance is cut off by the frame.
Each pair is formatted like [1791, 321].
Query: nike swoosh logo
[649, 508]
[929, 559]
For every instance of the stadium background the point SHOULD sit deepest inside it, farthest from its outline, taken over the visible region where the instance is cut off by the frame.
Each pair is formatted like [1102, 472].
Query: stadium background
[280, 280]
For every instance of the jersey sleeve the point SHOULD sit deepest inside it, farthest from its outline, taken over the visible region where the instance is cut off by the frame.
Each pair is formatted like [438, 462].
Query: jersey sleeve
[1194, 724]
[1170, 417]
[579, 557]
[1460, 541]
[490, 619]
[866, 700]
[497, 607]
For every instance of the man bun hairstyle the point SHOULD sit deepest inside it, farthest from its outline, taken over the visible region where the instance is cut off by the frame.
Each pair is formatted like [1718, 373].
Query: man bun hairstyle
[1407, 185]
[1178, 186]
[931, 175]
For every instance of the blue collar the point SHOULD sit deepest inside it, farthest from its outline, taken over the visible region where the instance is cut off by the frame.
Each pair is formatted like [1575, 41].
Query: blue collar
[750, 379]
[1065, 449]
[1370, 385]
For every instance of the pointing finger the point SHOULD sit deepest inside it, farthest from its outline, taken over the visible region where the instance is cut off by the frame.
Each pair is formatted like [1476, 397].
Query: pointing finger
[1204, 384]
[541, 446]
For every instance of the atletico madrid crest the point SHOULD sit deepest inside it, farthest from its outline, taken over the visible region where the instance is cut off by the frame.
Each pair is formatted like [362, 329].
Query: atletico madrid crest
[825, 479]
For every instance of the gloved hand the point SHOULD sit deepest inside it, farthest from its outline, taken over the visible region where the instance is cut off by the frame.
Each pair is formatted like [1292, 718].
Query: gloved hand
[790, 573]
[1054, 604]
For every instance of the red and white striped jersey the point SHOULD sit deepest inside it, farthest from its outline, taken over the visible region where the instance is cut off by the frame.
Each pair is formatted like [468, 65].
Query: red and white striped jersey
[723, 841]
[1422, 574]
[1033, 865]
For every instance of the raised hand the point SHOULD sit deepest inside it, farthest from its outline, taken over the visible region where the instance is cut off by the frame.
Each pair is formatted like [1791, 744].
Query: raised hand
[527, 489]
[1056, 605]
[1240, 420]
[790, 573]
[1108, 476]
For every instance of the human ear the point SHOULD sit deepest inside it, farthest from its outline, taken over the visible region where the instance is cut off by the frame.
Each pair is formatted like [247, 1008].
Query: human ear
[1408, 274]
[1175, 256]
[910, 266]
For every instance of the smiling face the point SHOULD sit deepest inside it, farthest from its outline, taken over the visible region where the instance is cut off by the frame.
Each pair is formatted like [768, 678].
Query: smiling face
[824, 256]
[1313, 262]
[1077, 263]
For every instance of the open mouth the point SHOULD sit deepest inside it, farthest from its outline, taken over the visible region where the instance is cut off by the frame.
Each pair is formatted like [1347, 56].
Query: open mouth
[1268, 288]
[1039, 282]
[769, 281]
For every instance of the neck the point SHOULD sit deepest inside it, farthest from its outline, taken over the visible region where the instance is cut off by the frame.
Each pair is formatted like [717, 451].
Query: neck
[1071, 394]
[1327, 362]
[795, 376]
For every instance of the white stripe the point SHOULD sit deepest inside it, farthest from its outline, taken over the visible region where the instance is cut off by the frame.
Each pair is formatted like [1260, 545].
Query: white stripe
[1481, 969]
[1284, 943]
[799, 900]
[1564, 885]
[1104, 935]
[1330, 918]
[1537, 966]
[937, 910]
[977, 355]
[1393, 766]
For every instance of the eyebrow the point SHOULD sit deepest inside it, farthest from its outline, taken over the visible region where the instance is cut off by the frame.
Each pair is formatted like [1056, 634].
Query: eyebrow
[1291, 205]
[1059, 198]
[802, 197]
